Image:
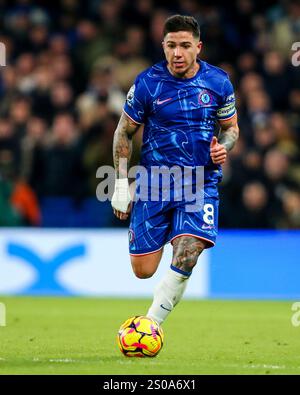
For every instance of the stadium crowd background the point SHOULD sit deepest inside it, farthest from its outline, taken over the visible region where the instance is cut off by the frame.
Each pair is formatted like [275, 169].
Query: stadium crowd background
[68, 68]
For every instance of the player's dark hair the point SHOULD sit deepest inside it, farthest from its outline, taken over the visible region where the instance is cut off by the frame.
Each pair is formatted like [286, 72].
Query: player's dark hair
[178, 23]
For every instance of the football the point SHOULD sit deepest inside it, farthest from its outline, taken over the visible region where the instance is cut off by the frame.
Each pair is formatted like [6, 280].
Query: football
[140, 336]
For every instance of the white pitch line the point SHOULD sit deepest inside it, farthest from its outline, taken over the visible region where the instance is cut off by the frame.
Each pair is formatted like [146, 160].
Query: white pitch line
[64, 360]
[61, 360]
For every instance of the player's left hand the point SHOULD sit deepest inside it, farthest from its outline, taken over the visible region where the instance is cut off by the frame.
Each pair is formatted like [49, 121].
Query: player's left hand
[121, 199]
[218, 152]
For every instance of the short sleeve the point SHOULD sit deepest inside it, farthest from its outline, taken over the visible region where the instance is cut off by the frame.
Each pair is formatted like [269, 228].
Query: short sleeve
[135, 104]
[227, 107]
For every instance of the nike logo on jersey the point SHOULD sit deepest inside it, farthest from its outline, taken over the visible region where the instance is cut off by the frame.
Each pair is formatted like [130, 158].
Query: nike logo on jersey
[207, 226]
[158, 101]
[163, 307]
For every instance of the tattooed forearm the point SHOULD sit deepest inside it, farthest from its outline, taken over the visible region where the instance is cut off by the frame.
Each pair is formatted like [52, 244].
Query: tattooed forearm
[228, 137]
[122, 145]
[186, 250]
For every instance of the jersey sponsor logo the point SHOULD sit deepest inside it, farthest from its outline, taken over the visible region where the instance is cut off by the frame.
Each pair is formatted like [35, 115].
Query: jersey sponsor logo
[130, 96]
[205, 98]
[158, 101]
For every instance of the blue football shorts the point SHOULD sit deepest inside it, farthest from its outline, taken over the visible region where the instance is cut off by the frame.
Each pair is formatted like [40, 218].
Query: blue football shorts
[155, 223]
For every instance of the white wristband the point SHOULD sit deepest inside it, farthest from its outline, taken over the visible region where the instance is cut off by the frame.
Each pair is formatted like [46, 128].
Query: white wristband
[121, 197]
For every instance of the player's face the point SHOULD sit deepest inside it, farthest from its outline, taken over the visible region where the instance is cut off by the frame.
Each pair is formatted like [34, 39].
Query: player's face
[181, 50]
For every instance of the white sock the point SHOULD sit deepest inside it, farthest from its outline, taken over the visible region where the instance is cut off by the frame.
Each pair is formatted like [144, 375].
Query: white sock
[167, 294]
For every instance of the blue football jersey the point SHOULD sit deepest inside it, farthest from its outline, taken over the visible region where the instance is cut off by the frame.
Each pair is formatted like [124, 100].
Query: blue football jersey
[180, 115]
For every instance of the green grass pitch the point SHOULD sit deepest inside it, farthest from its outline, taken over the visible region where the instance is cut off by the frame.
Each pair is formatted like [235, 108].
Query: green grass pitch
[78, 336]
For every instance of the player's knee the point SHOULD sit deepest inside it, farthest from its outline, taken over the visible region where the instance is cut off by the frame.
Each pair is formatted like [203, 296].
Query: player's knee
[142, 272]
[186, 252]
[145, 266]
[185, 263]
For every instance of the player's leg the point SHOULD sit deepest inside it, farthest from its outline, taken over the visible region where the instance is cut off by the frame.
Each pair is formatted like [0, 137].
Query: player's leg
[186, 250]
[191, 233]
[148, 232]
[144, 266]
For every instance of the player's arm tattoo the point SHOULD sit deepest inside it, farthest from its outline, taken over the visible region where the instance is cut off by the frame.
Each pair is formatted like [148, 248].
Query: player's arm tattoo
[229, 133]
[122, 145]
[186, 250]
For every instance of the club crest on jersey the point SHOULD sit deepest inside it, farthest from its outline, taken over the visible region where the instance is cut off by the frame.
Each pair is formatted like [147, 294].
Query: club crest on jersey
[205, 98]
[131, 236]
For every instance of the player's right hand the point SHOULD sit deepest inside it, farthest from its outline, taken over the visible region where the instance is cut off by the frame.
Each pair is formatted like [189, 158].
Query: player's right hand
[218, 152]
[121, 199]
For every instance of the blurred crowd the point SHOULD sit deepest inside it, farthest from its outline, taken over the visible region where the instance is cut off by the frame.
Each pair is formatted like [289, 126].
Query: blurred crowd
[70, 65]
